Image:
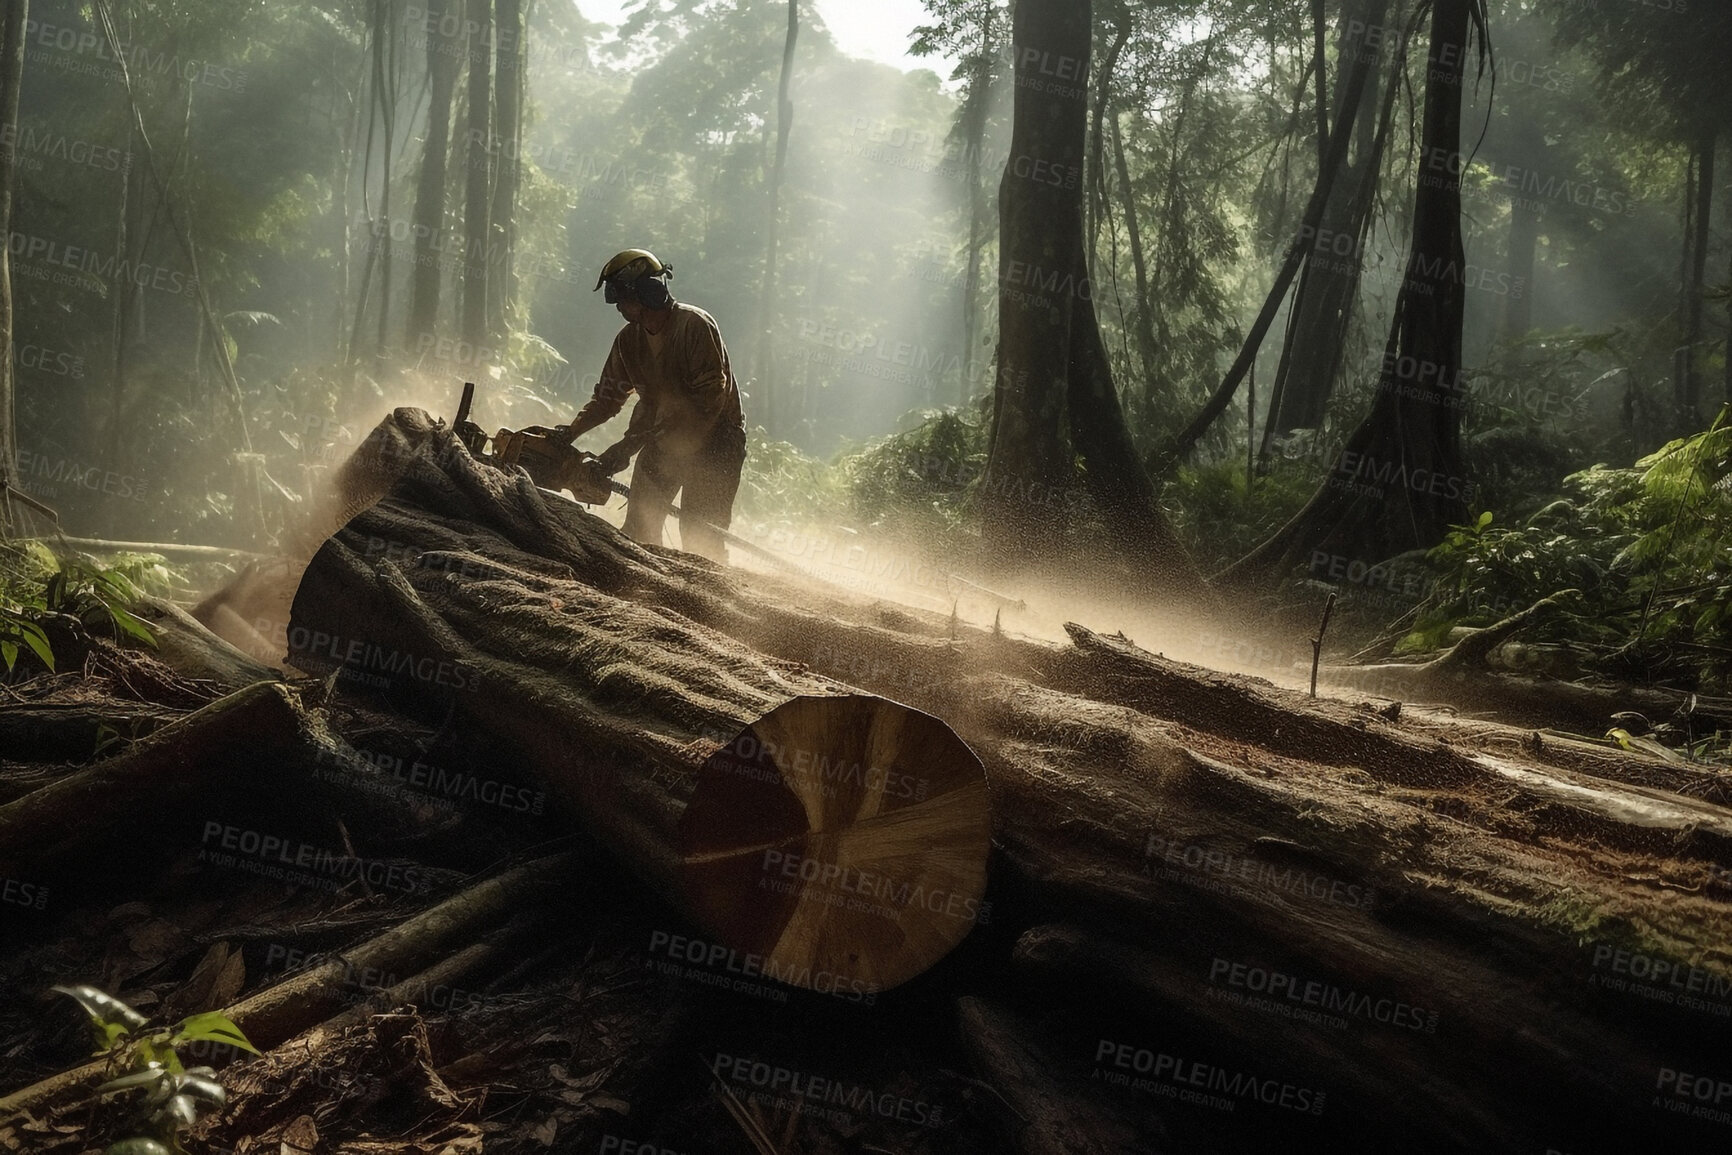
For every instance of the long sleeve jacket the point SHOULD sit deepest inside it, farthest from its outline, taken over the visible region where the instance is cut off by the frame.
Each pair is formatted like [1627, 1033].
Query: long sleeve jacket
[683, 380]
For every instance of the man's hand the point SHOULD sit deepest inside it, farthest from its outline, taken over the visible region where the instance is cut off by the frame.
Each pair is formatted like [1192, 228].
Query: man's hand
[614, 458]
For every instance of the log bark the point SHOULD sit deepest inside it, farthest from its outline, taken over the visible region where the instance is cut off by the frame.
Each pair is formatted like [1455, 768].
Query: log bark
[161, 770]
[842, 840]
[1152, 805]
[1039, 1114]
[71, 731]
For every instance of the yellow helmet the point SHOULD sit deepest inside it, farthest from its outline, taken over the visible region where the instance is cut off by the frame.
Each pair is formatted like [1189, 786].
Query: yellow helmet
[631, 264]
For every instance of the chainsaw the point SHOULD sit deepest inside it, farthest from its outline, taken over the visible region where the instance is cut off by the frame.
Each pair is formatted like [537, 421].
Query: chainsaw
[554, 464]
[550, 462]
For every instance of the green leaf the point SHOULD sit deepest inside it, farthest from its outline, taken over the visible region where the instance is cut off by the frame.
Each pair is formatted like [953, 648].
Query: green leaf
[9, 652]
[137, 1079]
[136, 1146]
[214, 1026]
[207, 1089]
[37, 640]
[103, 1008]
[131, 626]
[1484, 519]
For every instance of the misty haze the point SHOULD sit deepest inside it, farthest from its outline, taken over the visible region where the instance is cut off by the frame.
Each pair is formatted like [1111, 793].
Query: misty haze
[819, 576]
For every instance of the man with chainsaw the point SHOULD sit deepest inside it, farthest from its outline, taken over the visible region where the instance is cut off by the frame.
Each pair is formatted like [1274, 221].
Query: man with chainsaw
[687, 422]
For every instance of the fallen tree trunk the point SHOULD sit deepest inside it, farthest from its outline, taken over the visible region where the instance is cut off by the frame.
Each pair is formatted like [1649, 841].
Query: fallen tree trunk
[72, 731]
[840, 840]
[1143, 800]
[157, 773]
[319, 992]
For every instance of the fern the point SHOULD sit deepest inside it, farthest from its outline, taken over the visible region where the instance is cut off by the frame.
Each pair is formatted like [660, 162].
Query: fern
[37, 588]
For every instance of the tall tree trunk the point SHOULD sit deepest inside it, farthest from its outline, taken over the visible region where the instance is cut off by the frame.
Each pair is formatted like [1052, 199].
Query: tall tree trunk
[764, 348]
[369, 64]
[1096, 205]
[182, 227]
[1320, 70]
[11, 77]
[1143, 318]
[1329, 289]
[1040, 242]
[1352, 89]
[342, 175]
[508, 96]
[1702, 217]
[424, 281]
[385, 104]
[121, 287]
[1398, 483]
[1055, 399]
[976, 106]
[478, 172]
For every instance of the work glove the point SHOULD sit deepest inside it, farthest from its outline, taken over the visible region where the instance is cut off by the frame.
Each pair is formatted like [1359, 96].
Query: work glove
[614, 458]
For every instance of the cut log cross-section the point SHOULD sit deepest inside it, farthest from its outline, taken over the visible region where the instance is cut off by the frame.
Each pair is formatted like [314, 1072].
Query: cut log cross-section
[1156, 830]
[840, 836]
[833, 839]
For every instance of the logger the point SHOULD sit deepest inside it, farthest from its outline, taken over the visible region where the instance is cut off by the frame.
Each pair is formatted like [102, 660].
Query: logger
[554, 464]
[810, 834]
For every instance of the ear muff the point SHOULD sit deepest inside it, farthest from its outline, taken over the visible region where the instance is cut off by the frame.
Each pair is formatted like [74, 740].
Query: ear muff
[652, 292]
